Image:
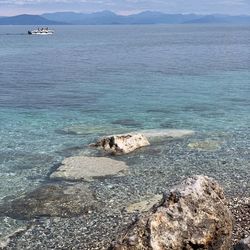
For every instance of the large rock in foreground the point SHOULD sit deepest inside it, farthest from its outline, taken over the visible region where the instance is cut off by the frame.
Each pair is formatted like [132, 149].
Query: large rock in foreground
[121, 144]
[192, 215]
[87, 168]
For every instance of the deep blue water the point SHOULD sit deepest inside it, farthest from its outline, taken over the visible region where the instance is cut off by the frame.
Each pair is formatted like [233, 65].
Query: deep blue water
[114, 78]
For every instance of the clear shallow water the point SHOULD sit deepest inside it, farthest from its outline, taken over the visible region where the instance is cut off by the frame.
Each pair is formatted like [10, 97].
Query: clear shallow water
[120, 78]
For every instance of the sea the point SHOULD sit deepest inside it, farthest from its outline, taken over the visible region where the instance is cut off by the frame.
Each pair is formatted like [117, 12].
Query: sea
[60, 92]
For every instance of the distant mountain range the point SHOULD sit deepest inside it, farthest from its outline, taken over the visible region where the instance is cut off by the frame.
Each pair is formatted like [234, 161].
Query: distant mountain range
[27, 20]
[108, 18]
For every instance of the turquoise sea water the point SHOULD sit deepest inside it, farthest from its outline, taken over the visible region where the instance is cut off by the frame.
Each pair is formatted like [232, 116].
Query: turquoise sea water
[58, 93]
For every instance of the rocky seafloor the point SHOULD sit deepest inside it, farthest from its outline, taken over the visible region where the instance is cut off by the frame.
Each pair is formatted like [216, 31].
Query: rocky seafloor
[223, 156]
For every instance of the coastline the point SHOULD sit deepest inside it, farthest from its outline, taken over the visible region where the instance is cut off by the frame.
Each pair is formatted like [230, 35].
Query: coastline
[82, 84]
[99, 226]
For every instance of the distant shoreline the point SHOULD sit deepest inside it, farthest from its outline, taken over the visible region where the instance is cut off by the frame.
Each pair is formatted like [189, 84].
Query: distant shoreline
[111, 18]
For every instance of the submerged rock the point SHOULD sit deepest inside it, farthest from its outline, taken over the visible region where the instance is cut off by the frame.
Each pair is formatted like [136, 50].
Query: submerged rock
[52, 200]
[87, 168]
[207, 145]
[161, 134]
[192, 215]
[127, 123]
[121, 144]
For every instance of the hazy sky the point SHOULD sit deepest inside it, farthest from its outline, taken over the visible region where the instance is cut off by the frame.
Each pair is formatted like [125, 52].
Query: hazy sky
[12, 7]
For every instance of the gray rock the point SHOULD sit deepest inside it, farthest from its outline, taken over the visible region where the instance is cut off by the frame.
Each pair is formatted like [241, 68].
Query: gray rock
[244, 244]
[52, 200]
[192, 215]
[121, 144]
[87, 168]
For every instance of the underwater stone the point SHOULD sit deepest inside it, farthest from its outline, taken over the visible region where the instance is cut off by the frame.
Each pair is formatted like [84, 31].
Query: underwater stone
[50, 201]
[127, 123]
[87, 168]
[164, 133]
[207, 145]
[192, 215]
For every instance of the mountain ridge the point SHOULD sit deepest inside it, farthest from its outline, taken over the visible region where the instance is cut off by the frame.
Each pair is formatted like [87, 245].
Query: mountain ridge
[26, 19]
[110, 18]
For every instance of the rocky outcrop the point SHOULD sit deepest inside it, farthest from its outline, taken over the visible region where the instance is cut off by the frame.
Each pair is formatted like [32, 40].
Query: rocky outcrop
[52, 200]
[87, 168]
[192, 215]
[121, 144]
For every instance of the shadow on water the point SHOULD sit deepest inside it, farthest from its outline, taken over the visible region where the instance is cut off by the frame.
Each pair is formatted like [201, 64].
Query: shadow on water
[14, 34]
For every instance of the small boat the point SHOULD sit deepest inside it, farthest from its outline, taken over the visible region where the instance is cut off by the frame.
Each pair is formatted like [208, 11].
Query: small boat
[41, 31]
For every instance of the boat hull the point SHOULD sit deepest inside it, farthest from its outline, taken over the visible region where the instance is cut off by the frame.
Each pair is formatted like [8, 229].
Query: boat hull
[41, 33]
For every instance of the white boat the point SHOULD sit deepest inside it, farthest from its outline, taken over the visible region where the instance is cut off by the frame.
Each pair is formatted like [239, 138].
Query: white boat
[41, 31]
